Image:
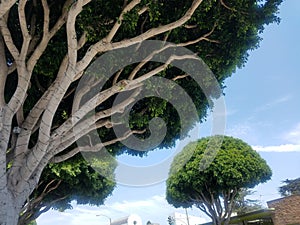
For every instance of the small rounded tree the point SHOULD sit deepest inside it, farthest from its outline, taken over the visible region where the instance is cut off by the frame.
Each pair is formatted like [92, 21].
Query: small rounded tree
[213, 190]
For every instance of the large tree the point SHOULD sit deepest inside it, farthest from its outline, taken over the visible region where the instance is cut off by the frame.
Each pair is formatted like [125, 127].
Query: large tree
[47, 45]
[214, 189]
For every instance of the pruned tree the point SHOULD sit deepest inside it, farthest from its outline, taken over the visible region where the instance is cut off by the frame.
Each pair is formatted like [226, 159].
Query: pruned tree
[290, 187]
[46, 47]
[214, 189]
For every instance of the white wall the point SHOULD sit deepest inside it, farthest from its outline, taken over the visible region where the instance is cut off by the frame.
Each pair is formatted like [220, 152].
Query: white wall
[181, 219]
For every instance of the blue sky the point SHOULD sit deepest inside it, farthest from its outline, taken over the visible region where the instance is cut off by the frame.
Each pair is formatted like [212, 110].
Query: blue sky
[263, 109]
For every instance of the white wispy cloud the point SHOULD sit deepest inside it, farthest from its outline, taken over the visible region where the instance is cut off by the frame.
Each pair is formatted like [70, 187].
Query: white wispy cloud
[155, 209]
[245, 131]
[274, 103]
[147, 208]
[278, 148]
[239, 130]
[248, 131]
[293, 136]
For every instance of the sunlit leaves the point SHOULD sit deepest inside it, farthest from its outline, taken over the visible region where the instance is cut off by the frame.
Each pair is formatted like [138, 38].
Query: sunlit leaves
[235, 166]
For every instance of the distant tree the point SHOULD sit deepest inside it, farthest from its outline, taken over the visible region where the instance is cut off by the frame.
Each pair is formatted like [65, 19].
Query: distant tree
[243, 204]
[291, 187]
[171, 220]
[215, 189]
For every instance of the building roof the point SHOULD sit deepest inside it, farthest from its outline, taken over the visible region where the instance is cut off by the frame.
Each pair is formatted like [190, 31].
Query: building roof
[280, 199]
[255, 215]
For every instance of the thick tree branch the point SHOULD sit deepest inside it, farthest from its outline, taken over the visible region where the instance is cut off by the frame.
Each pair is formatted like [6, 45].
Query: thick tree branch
[94, 148]
[118, 23]
[75, 9]
[3, 71]
[33, 118]
[37, 210]
[38, 152]
[65, 80]
[164, 66]
[103, 46]
[25, 33]
[99, 98]
[45, 208]
[34, 156]
[180, 77]
[104, 95]
[24, 78]
[117, 75]
[8, 38]
[5, 6]
[72, 137]
[208, 205]
[226, 6]
[202, 38]
[46, 16]
[146, 60]
[68, 137]
[187, 26]
[150, 56]
[47, 35]
[82, 41]
[200, 204]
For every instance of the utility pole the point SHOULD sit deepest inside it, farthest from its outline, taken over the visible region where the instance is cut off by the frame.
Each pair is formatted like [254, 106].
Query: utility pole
[187, 217]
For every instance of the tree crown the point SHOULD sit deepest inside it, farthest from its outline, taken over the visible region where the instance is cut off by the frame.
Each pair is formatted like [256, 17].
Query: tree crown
[235, 166]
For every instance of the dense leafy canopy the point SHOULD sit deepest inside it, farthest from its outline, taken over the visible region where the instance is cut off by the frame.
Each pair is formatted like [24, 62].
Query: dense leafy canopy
[236, 166]
[64, 182]
[290, 187]
[234, 31]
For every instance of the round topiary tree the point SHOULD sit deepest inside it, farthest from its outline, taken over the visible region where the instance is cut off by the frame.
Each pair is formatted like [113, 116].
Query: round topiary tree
[213, 190]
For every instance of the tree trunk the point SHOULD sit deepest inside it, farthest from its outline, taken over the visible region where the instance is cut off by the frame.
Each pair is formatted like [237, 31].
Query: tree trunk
[226, 221]
[221, 221]
[9, 209]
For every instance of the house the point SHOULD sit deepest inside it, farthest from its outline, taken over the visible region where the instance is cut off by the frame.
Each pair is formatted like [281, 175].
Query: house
[133, 219]
[287, 210]
[185, 219]
[259, 217]
[282, 211]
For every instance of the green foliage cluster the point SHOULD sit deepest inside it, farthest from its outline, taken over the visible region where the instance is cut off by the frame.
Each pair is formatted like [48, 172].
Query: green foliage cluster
[235, 32]
[235, 166]
[68, 181]
[71, 180]
[80, 182]
[290, 187]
